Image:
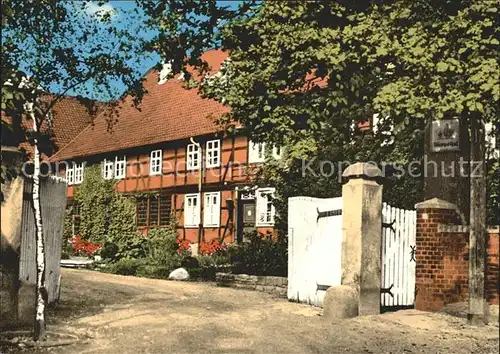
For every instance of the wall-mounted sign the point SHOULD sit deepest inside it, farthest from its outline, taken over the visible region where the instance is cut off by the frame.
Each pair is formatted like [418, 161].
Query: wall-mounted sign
[445, 135]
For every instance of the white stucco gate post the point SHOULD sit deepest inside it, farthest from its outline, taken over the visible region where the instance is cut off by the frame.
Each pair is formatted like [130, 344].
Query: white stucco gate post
[359, 292]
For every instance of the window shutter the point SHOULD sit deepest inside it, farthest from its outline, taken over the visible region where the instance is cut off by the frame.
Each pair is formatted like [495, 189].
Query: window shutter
[196, 210]
[191, 210]
[211, 211]
[188, 211]
[216, 209]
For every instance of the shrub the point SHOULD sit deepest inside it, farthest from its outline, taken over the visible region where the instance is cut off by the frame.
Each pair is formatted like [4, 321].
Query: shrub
[109, 251]
[162, 245]
[190, 262]
[153, 271]
[135, 246]
[261, 256]
[106, 215]
[124, 266]
[203, 273]
[66, 249]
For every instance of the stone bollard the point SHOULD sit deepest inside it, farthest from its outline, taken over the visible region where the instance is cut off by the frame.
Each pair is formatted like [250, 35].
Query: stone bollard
[359, 294]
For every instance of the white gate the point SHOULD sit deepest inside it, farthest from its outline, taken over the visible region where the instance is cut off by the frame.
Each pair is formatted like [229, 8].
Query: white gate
[314, 247]
[398, 257]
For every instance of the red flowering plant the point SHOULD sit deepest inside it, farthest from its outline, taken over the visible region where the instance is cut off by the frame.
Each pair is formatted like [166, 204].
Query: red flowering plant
[184, 247]
[82, 247]
[212, 247]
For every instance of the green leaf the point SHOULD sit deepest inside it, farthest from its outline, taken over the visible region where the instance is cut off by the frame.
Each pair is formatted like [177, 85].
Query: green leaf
[441, 66]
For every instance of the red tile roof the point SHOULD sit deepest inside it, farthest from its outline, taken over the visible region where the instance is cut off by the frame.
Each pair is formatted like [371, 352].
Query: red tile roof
[167, 112]
[69, 118]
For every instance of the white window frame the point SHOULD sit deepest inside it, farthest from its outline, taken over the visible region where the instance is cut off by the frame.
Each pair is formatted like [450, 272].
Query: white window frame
[193, 157]
[277, 152]
[155, 162]
[191, 212]
[256, 152]
[108, 169]
[211, 209]
[78, 172]
[70, 173]
[213, 153]
[120, 167]
[264, 206]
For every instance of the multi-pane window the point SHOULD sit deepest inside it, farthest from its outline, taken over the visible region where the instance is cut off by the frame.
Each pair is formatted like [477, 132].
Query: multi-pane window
[114, 168]
[78, 173]
[277, 151]
[108, 169]
[154, 210]
[120, 166]
[213, 153]
[191, 210]
[142, 212]
[193, 157]
[75, 219]
[70, 174]
[211, 210]
[74, 173]
[155, 162]
[257, 152]
[265, 207]
[165, 209]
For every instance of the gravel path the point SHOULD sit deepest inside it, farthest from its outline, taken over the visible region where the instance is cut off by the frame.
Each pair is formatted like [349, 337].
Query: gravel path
[116, 314]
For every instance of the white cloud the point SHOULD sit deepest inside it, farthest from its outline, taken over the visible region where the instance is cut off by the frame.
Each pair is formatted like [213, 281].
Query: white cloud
[94, 8]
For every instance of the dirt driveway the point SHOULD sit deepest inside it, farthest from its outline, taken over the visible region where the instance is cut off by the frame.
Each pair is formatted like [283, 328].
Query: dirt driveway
[116, 314]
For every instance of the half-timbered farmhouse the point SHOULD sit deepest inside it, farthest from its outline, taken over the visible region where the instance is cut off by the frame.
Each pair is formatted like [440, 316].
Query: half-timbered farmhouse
[172, 152]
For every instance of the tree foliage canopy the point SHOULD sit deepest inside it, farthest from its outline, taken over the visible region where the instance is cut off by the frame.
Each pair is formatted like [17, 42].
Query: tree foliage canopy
[301, 67]
[304, 74]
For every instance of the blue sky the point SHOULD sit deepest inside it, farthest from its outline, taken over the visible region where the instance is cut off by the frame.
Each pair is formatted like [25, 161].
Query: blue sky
[125, 18]
[141, 64]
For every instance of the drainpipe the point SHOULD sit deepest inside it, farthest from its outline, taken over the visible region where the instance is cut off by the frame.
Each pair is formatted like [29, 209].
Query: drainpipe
[200, 181]
[235, 213]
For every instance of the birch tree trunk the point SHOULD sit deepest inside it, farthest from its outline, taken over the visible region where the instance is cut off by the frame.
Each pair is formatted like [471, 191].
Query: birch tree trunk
[41, 292]
[478, 240]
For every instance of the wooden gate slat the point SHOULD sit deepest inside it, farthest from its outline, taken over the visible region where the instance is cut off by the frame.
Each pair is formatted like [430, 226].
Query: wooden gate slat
[397, 267]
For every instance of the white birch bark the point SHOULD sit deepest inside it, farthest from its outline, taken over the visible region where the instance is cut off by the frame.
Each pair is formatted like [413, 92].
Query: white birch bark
[41, 292]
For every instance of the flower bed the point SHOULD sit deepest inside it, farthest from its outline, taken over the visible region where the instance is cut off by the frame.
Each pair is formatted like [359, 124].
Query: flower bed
[82, 247]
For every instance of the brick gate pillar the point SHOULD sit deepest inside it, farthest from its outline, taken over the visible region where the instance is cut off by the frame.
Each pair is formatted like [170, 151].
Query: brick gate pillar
[441, 267]
[359, 293]
[442, 251]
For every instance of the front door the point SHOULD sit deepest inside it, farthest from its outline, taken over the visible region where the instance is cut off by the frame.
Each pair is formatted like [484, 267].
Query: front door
[246, 216]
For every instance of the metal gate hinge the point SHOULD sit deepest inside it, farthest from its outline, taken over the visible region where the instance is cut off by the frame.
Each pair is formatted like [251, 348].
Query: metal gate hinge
[324, 214]
[320, 287]
[387, 290]
[413, 252]
[389, 225]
